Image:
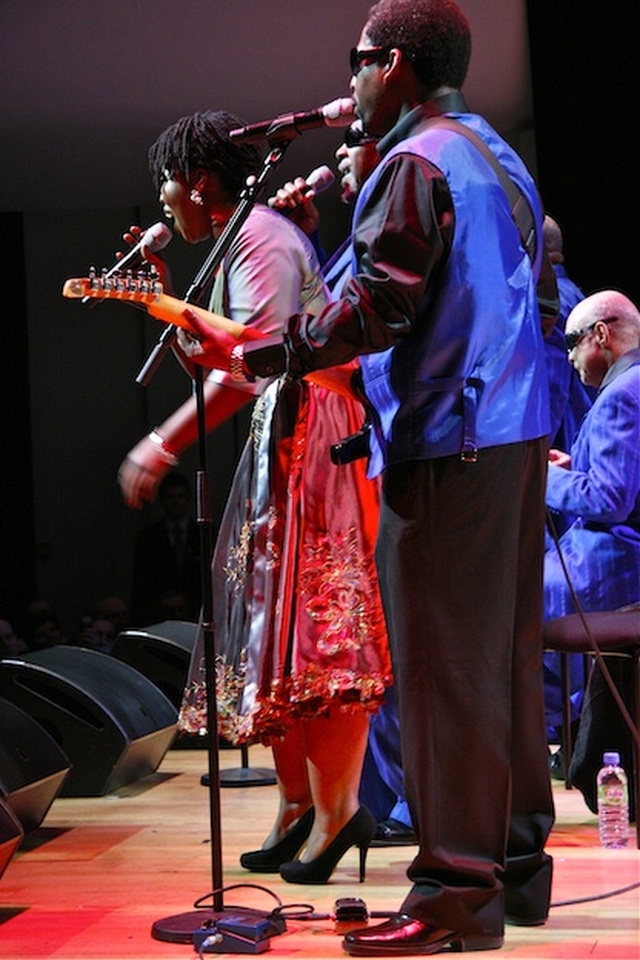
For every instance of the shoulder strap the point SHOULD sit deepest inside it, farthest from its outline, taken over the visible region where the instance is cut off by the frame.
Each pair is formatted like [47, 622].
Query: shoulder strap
[520, 209]
[522, 214]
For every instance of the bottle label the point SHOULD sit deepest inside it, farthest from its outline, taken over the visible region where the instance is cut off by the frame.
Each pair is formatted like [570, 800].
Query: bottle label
[612, 794]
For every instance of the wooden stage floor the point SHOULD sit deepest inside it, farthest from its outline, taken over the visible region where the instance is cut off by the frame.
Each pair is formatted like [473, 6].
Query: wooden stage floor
[91, 881]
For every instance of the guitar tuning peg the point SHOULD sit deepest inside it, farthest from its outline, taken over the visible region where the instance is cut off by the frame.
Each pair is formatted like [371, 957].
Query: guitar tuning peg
[106, 281]
[155, 284]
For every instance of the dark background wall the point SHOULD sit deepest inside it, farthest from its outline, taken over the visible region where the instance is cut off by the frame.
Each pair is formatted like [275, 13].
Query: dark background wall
[584, 64]
[84, 89]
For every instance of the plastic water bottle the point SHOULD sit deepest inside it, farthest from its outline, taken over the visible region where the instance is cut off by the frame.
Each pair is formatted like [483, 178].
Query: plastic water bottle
[613, 802]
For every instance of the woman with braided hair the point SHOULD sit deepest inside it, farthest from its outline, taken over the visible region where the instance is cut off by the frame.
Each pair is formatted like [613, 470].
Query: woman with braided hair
[301, 653]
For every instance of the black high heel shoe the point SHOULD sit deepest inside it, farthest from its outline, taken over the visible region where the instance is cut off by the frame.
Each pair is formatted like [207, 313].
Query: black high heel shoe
[271, 859]
[357, 832]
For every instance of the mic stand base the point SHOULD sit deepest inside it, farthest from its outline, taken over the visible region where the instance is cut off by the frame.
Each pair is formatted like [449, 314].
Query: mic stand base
[244, 776]
[230, 930]
[248, 777]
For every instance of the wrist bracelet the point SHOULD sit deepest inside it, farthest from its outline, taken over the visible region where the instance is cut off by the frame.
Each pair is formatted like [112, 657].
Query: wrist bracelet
[163, 451]
[236, 365]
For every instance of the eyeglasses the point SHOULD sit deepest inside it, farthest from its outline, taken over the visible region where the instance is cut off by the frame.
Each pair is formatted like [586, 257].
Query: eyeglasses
[356, 136]
[571, 340]
[357, 57]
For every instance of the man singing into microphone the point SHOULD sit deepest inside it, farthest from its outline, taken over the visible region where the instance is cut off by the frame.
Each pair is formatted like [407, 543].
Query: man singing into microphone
[443, 311]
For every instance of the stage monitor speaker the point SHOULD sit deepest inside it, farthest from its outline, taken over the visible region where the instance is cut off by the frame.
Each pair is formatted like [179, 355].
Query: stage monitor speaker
[33, 767]
[11, 834]
[113, 723]
[162, 652]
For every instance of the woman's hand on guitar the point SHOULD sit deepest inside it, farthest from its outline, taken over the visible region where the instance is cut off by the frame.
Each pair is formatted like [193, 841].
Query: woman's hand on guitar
[213, 346]
[142, 470]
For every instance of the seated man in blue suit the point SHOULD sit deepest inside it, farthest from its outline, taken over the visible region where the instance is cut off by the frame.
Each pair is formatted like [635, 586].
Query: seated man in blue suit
[598, 486]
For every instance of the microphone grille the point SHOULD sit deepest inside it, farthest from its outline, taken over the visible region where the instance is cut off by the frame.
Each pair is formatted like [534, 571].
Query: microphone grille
[157, 237]
[321, 178]
[339, 113]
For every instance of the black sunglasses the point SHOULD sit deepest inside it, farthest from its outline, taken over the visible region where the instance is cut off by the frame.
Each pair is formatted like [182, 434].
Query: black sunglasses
[571, 340]
[357, 58]
[355, 137]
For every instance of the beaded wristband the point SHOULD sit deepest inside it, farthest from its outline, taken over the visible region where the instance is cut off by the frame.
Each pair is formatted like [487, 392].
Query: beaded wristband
[236, 365]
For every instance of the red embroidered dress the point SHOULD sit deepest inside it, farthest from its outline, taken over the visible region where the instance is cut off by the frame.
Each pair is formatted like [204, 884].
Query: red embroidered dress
[297, 617]
[298, 621]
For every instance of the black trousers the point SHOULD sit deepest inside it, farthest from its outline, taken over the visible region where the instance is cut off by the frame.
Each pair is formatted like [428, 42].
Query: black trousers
[460, 563]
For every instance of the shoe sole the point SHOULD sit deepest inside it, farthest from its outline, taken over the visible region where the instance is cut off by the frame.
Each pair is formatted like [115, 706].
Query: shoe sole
[467, 944]
[456, 943]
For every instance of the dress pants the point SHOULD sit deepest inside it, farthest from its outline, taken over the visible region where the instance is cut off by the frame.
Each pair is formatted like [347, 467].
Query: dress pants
[460, 564]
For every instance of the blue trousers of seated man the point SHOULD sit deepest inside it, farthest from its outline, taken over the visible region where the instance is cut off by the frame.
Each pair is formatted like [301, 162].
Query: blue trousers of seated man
[382, 786]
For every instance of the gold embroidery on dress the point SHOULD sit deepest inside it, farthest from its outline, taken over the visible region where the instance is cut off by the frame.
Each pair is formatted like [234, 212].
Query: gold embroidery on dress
[230, 683]
[336, 590]
[272, 551]
[193, 709]
[256, 426]
[308, 695]
[237, 564]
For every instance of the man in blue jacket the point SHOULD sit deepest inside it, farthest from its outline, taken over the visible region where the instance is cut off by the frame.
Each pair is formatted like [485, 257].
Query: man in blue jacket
[442, 310]
[597, 485]
[598, 482]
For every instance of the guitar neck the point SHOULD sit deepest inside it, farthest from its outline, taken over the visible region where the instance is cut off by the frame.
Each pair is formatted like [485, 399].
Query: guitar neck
[160, 305]
[173, 310]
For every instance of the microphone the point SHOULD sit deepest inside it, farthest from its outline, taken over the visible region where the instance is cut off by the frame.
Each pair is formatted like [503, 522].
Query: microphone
[320, 179]
[338, 113]
[155, 238]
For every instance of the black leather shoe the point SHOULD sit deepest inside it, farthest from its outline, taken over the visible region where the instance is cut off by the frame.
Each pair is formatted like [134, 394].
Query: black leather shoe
[393, 833]
[402, 935]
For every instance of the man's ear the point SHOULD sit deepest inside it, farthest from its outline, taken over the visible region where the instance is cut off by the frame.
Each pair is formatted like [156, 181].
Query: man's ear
[395, 60]
[602, 334]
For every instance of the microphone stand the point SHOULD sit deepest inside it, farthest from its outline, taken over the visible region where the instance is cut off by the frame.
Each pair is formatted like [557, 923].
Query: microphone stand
[246, 929]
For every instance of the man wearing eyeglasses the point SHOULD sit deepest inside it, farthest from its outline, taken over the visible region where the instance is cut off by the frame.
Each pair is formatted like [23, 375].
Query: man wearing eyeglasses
[598, 482]
[598, 485]
[442, 311]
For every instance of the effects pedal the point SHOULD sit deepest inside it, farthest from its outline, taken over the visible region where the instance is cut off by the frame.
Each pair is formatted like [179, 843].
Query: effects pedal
[237, 934]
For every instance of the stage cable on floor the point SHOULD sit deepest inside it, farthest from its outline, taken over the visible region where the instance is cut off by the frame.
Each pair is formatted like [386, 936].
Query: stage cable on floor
[594, 899]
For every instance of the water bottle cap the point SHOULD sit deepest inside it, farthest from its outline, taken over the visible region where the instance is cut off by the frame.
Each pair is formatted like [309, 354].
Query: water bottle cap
[611, 759]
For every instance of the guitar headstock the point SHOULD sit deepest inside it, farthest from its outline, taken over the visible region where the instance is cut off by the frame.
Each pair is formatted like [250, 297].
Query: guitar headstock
[143, 288]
